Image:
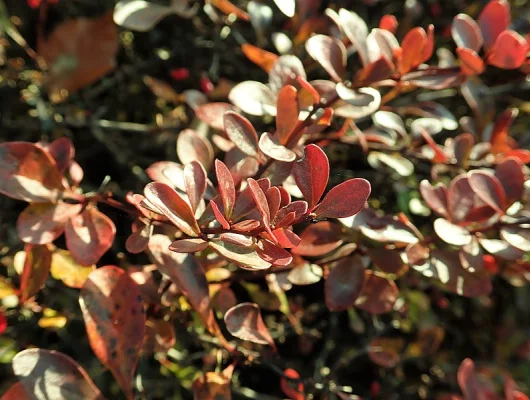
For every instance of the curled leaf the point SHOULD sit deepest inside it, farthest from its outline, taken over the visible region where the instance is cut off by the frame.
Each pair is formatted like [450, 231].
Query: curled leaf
[244, 321]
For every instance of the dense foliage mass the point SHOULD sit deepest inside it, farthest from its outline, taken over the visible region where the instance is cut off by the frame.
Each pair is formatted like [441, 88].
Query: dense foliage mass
[346, 214]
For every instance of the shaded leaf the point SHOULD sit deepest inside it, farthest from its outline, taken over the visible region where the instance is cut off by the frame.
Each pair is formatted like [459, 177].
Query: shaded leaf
[292, 387]
[344, 200]
[386, 352]
[488, 188]
[47, 374]
[114, 316]
[16, 392]
[344, 283]
[226, 186]
[79, 52]
[219, 215]
[319, 239]
[305, 273]
[510, 174]
[378, 294]
[195, 181]
[36, 270]
[212, 386]
[89, 235]
[244, 321]
[273, 254]
[167, 200]
[388, 261]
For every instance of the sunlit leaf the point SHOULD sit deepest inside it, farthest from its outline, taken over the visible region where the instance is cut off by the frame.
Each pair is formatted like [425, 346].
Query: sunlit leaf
[345, 199]
[65, 268]
[328, 52]
[311, 174]
[450, 233]
[241, 132]
[493, 20]
[245, 257]
[254, 98]
[89, 235]
[37, 263]
[192, 146]
[48, 374]
[287, 113]
[113, 310]
[466, 33]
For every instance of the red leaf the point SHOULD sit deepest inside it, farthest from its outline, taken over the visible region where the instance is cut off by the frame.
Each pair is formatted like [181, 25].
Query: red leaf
[17, 392]
[219, 215]
[413, 45]
[344, 200]
[328, 52]
[389, 23]
[462, 147]
[488, 188]
[262, 58]
[213, 114]
[466, 33]
[168, 201]
[63, 152]
[378, 294]
[293, 388]
[36, 270]
[493, 20]
[114, 316]
[188, 245]
[499, 135]
[192, 146]
[42, 223]
[510, 51]
[245, 202]
[29, 173]
[3, 322]
[273, 200]
[468, 382]
[139, 239]
[374, 72]
[286, 238]
[89, 235]
[470, 62]
[195, 181]
[319, 239]
[510, 174]
[304, 273]
[311, 174]
[299, 208]
[246, 226]
[241, 132]
[287, 113]
[244, 321]
[48, 374]
[261, 203]
[439, 155]
[344, 283]
[389, 260]
[428, 49]
[273, 254]
[237, 239]
[226, 187]
[271, 146]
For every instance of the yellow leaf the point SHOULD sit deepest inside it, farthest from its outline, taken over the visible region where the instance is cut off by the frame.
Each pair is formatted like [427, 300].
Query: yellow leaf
[66, 269]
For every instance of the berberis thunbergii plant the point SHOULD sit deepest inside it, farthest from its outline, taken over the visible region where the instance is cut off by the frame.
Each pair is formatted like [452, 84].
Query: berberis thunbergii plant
[337, 226]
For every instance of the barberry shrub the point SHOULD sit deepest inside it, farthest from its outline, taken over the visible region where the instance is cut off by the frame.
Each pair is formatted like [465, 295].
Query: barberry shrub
[250, 253]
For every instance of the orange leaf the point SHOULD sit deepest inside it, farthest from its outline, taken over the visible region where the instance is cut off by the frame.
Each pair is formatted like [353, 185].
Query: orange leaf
[262, 58]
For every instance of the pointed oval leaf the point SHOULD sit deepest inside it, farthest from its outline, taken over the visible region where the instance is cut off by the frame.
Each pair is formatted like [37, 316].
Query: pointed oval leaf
[344, 283]
[272, 147]
[245, 202]
[188, 245]
[344, 200]
[219, 215]
[357, 31]
[311, 174]
[466, 33]
[510, 174]
[287, 113]
[262, 58]
[493, 20]
[488, 188]
[113, 310]
[48, 374]
[36, 269]
[195, 181]
[328, 52]
[192, 146]
[435, 197]
[273, 254]
[510, 51]
[42, 223]
[273, 200]
[254, 98]
[244, 322]
[319, 239]
[285, 72]
[167, 200]
[378, 294]
[237, 239]
[241, 132]
[471, 387]
[29, 173]
[226, 187]
[450, 233]
[139, 239]
[89, 235]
